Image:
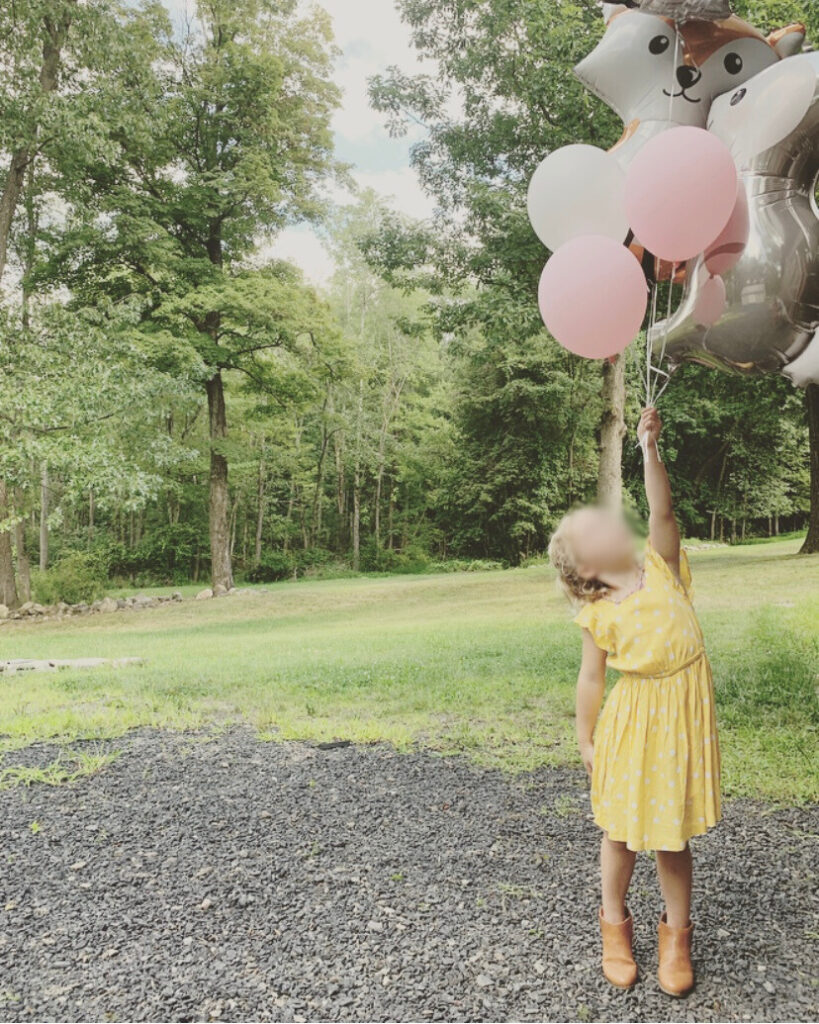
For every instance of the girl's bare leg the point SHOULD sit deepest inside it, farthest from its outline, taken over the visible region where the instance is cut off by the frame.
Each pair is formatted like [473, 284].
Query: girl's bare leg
[675, 869]
[616, 866]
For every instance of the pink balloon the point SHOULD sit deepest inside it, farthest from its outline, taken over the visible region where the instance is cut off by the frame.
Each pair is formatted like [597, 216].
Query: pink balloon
[680, 190]
[593, 296]
[726, 250]
[710, 302]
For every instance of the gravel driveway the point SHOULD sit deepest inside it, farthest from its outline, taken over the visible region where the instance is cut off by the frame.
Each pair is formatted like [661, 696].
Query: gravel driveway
[210, 876]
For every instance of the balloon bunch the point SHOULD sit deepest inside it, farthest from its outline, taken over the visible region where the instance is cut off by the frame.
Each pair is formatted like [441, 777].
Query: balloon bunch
[672, 200]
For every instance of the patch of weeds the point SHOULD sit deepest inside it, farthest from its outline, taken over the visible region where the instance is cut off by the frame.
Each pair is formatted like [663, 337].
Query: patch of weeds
[58, 772]
[563, 807]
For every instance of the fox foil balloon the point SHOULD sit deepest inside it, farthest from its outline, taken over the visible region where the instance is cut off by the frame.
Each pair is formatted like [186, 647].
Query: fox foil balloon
[656, 73]
[768, 257]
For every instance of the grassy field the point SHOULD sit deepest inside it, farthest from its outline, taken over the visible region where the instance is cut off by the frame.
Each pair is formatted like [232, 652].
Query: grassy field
[481, 663]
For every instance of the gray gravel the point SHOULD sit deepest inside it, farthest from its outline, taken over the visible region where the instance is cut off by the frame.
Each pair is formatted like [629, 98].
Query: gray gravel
[210, 876]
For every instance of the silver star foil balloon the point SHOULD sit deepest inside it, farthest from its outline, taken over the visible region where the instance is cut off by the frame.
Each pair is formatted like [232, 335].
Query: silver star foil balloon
[751, 302]
[686, 10]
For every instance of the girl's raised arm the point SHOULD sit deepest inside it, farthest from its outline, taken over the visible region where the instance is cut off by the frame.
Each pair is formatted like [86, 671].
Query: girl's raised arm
[663, 531]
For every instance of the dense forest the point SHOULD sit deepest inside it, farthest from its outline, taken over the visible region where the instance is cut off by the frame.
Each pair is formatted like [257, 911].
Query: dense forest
[178, 406]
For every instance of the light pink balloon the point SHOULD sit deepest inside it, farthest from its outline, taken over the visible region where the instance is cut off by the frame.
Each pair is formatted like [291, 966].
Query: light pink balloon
[710, 303]
[593, 296]
[680, 190]
[725, 251]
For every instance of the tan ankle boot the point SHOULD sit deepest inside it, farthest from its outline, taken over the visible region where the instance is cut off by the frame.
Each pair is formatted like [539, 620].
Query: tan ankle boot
[675, 973]
[618, 963]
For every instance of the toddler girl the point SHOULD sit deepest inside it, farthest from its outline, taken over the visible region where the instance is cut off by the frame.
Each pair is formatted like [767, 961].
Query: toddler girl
[654, 758]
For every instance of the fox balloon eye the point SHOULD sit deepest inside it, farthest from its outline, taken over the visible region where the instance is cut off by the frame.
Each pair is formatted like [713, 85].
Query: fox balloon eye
[738, 96]
[733, 63]
[659, 44]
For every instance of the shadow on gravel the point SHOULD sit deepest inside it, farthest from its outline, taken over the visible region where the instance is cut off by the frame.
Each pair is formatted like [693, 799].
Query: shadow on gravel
[203, 877]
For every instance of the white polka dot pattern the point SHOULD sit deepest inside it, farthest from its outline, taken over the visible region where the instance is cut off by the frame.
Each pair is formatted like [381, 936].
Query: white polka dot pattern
[658, 725]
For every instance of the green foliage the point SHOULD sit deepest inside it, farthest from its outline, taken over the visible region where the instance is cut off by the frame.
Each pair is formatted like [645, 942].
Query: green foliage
[411, 559]
[282, 565]
[274, 565]
[466, 565]
[78, 576]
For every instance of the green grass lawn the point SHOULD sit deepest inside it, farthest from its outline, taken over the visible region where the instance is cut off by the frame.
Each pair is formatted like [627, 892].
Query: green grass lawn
[483, 663]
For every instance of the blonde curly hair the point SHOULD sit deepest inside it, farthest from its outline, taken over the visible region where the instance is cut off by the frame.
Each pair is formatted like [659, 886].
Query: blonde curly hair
[576, 588]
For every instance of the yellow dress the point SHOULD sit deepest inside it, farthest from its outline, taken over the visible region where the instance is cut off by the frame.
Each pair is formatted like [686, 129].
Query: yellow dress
[656, 767]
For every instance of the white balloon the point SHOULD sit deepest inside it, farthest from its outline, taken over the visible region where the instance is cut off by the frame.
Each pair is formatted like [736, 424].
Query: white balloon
[766, 109]
[577, 190]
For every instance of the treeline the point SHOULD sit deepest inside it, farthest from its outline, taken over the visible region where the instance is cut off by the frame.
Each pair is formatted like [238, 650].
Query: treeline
[178, 406]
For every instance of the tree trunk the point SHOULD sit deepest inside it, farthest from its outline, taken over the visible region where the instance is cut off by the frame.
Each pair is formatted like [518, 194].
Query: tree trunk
[44, 494]
[811, 543]
[257, 553]
[391, 515]
[357, 482]
[377, 510]
[219, 504]
[8, 585]
[612, 432]
[338, 446]
[356, 518]
[315, 520]
[54, 33]
[288, 518]
[23, 564]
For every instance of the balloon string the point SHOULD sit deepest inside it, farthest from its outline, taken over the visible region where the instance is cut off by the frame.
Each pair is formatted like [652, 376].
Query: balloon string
[652, 392]
[653, 321]
[665, 330]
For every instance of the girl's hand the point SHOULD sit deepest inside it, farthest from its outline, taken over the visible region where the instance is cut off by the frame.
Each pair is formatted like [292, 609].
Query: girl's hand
[649, 425]
[587, 753]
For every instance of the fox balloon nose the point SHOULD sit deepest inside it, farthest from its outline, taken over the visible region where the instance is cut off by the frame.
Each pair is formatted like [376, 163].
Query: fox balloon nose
[688, 76]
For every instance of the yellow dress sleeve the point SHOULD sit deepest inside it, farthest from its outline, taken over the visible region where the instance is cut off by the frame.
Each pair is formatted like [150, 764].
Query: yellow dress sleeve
[592, 617]
[587, 616]
[653, 556]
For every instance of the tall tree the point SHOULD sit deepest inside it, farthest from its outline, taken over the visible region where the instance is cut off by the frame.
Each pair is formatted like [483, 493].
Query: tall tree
[504, 97]
[207, 147]
[27, 28]
[811, 544]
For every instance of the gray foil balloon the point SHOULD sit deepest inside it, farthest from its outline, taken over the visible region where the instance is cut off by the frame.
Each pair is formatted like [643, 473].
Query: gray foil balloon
[770, 268]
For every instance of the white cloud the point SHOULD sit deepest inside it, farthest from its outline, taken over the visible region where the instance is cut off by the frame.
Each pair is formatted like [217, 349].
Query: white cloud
[400, 187]
[372, 36]
[301, 246]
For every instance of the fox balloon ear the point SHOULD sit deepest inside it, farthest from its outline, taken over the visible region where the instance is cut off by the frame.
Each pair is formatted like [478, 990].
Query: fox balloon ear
[609, 10]
[788, 40]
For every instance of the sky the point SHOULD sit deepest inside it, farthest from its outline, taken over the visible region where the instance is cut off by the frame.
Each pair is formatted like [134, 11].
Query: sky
[371, 37]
